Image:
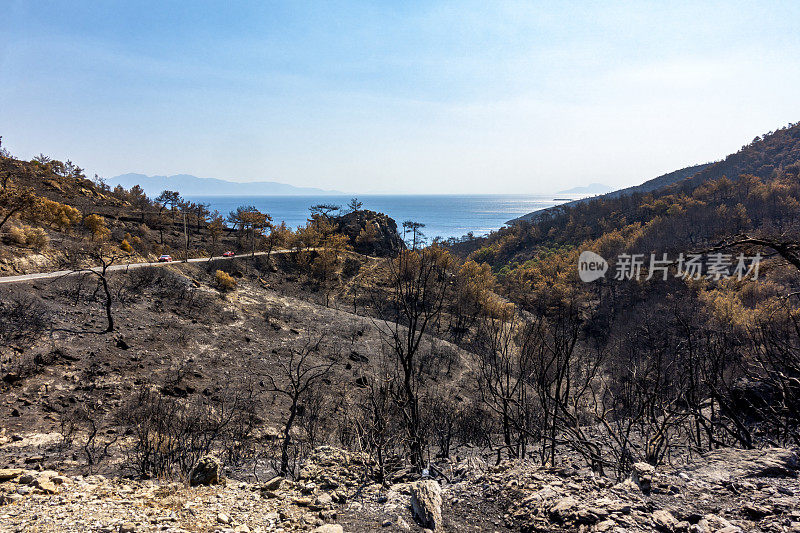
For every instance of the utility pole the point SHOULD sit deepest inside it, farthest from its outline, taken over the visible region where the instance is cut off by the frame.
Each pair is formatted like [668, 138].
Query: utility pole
[185, 240]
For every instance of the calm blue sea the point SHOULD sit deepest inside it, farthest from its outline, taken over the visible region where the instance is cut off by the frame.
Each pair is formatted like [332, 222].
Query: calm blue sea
[443, 215]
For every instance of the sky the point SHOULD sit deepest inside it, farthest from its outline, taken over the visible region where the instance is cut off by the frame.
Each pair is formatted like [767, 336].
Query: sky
[396, 97]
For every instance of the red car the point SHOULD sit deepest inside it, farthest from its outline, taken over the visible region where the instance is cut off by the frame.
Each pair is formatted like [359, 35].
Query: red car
[228, 254]
[164, 258]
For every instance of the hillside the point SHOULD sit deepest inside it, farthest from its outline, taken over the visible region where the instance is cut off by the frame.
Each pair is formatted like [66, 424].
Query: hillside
[648, 186]
[760, 158]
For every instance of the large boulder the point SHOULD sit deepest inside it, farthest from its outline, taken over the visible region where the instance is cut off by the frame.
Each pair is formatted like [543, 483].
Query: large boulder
[378, 233]
[207, 471]
[642, 475]
[426, 503]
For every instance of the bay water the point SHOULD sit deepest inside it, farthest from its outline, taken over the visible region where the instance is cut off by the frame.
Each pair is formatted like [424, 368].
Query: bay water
[444, 216]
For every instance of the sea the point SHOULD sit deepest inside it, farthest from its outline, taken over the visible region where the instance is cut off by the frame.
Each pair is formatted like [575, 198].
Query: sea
[445, 216]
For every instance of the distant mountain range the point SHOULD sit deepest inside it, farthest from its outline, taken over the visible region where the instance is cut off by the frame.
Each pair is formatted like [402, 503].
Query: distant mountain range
[189, 185]
[592, 188]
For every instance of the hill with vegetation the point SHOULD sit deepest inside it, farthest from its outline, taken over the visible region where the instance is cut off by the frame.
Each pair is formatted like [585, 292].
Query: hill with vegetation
[742, 181]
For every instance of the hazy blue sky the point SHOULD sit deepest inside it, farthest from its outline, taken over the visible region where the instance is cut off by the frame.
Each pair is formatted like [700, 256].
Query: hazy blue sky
[445, 97]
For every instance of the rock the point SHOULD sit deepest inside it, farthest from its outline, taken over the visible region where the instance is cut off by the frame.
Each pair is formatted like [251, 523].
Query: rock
[10, 498]
[426, 503]
[222, 518]
[273, 484]
[11, 377]
[328, 528]
[756, 512]
[590, 515]
[358, 358]
[10, 473]
[241, 529]
[26, 479]
[323, 501]
[330, 468]
[378, 233]
[663, 520]
[207, 471]
[642, 475]
[731, 463]
[271, 433]
[564, 510]
[605, 525]
[45, 485]
[127, 527]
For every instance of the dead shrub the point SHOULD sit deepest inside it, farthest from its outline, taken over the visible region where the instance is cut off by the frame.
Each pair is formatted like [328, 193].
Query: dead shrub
[23, 319]
[170, 435]
[224, 281]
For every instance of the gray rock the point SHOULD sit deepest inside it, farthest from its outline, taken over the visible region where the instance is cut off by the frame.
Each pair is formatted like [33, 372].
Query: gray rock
[26, 479]
[207, 471]
[323, 501]
[642, 475]
[273, 484]
[664, 521]
[426, 503]
[564, 509]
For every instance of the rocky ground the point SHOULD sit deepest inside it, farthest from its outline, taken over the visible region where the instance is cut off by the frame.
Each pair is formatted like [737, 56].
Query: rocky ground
[726, 491]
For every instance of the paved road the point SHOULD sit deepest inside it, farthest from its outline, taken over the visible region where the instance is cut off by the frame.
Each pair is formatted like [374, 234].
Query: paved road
[121, 266]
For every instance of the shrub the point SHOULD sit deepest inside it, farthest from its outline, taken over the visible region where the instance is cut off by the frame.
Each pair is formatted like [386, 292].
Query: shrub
[224, 281]
[37, 238]
[27, 236]
[125, 246]
[17, 234]
[97, 227]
